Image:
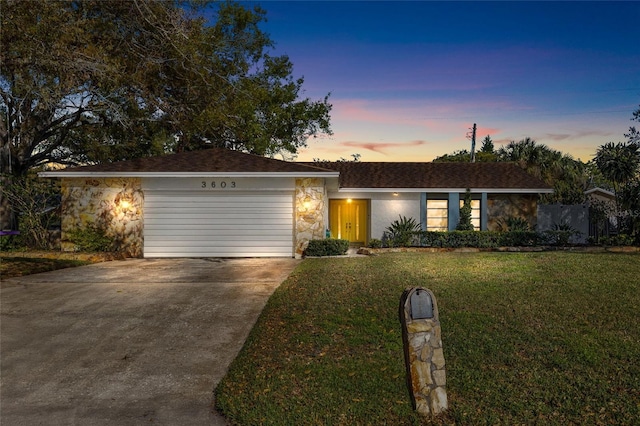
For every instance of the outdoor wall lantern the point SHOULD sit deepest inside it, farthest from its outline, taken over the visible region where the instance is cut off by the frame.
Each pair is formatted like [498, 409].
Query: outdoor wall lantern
[306, 203]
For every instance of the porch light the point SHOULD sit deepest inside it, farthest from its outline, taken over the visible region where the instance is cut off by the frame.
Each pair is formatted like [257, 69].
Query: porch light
[125, 204]
[306, 203]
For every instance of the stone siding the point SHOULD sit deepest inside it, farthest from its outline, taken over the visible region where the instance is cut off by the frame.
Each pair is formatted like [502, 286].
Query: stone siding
[501, 206]
[112, 204]
[311, 207]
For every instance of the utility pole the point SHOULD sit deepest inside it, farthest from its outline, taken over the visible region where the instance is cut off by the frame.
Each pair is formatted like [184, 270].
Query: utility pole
[473, 144]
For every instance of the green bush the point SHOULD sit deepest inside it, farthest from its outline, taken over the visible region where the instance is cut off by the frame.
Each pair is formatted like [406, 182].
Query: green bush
[91, 239]
[402, 232]
[479, 239]
[617, 240]
[560, 234]
[514, 223]
[375, 243]
[327, 247]
[464, 224]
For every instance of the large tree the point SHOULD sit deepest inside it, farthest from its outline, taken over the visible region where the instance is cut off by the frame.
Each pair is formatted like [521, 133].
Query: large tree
[103, 80]
[619, 164]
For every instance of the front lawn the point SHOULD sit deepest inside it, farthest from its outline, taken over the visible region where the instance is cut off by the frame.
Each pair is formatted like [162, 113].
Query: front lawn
[547, 338]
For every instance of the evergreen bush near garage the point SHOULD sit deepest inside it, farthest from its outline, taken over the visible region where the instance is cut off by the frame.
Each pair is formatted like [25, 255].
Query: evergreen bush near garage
[91, 239]
[327, 247]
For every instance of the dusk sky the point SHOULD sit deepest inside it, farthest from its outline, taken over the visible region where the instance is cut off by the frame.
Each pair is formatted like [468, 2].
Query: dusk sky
[409, 79]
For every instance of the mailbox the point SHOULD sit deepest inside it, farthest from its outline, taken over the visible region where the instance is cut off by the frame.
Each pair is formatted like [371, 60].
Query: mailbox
[423, 353]
[421, 305]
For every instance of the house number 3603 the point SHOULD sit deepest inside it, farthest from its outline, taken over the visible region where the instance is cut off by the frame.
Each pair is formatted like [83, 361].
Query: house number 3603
[221, 184]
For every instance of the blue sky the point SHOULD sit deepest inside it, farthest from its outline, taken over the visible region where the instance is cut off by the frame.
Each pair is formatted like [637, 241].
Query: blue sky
[409, 79]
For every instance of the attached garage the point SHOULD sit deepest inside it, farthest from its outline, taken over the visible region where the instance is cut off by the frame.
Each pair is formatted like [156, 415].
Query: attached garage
[212, 203]
[244, 224]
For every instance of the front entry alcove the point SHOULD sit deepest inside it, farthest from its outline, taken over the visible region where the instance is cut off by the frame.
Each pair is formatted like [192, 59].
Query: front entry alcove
[348, 220]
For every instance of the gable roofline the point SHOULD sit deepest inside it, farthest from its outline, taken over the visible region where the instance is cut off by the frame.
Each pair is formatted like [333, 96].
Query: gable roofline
[601, 191]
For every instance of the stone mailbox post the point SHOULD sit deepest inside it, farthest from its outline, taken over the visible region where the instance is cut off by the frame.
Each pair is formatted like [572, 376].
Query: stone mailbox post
[423, 354]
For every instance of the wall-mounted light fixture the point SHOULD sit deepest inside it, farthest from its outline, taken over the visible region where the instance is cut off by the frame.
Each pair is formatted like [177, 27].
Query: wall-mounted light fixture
[125, 204]
[395, 194]
[306, 203]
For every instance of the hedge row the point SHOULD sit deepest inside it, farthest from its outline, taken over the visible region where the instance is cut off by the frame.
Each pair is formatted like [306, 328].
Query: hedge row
[480, 239]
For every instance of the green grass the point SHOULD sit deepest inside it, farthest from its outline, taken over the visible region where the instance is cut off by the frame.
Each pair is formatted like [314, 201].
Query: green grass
[546, 338]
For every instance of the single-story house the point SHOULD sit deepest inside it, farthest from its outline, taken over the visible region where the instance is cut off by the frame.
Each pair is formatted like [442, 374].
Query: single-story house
[222, 203]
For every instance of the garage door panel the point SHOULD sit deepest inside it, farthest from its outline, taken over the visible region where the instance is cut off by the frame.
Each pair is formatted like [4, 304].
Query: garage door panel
[228, 239]
[194, 230]
[221, 225]
[219, 216]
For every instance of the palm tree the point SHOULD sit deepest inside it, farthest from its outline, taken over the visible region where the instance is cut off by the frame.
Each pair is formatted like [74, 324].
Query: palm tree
[620, 164]
[566, 175]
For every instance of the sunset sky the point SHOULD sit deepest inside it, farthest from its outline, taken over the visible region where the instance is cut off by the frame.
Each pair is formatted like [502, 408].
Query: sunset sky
[409, 79]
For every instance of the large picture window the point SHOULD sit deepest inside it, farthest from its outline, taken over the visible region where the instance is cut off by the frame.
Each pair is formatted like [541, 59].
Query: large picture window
[437, 215]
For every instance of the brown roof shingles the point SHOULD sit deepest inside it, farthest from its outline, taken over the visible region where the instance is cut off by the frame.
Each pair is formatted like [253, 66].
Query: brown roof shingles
[434, 175]
[213, 160]
[356, 175]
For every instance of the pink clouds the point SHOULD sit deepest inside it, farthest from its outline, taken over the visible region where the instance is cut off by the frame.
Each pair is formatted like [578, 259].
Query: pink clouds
[381, 147]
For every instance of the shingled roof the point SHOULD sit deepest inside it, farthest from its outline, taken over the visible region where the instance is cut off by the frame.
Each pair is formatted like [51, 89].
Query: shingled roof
[507, 176]
[214, 160]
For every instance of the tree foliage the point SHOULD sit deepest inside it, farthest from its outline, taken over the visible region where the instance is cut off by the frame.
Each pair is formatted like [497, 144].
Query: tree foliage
[33, 200]
[568, 177]
[106, 80]
[487, 144]
[619, 164]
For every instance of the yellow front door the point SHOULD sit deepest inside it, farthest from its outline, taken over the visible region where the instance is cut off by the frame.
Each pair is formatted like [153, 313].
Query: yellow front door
[348, 220]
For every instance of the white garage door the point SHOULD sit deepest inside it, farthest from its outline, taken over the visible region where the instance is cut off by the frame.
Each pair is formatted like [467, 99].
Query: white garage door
[204, 224]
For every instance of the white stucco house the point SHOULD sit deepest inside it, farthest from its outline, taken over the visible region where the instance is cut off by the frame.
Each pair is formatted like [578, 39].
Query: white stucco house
[222, 203]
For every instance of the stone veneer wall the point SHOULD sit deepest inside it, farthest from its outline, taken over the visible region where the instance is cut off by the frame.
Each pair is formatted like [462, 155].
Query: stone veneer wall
[113, 204]
[311, 205]
[518, 205]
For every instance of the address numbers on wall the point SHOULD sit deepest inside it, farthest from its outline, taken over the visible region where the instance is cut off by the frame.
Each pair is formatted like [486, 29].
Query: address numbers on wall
[219, 184]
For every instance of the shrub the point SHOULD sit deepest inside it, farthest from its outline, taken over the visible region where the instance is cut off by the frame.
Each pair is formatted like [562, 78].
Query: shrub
[402, 232]
[617, 240]
[561, 234]
[327, 247]
[92, 239]
[34, 202]
[464, 224]
[514, 223]
[375, 243]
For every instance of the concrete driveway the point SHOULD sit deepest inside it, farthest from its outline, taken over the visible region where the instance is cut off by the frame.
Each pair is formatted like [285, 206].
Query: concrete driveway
[141, 341]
